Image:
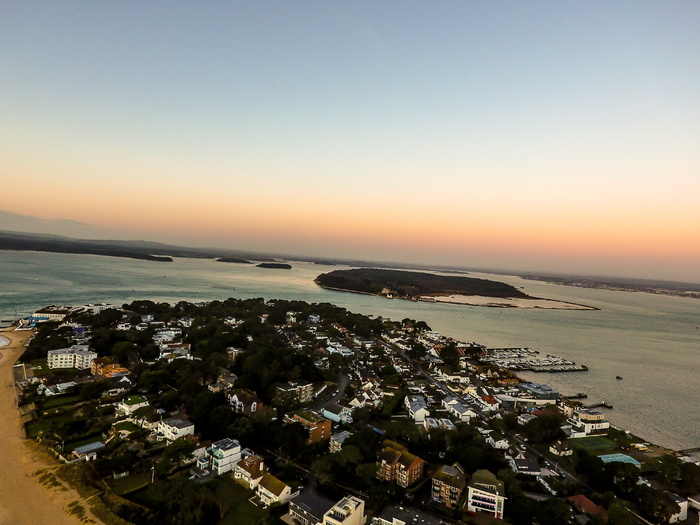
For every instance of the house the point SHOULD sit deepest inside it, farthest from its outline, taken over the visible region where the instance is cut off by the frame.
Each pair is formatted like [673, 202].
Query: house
[497, 441]
[461, 412]
[395, 463]
[337, 440]
[105, 367]
[486, 494]
[417, 408]
[271, 490]
[118, 385]
[309, 508]
[88, 452]
[561, 448]
[446, 424]
[682, 503]
[172, 429]
[586, 421]
[77, 356]
[55, 313]
[224, 455]
[584, 505]
[318, 428]
[232, 353]
[405, 516]
[244, 401]
[348, 511]
[295, 392]
[130, 405]
[337, 413]
[448, 484]
[170, 351]
[526, 466]
[250, 470]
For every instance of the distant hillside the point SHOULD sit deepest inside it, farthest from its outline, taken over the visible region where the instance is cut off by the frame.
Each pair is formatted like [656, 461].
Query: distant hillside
[413, 284]
[46, 243]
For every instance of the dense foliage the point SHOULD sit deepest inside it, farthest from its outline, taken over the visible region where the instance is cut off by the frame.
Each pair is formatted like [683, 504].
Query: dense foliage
[413, 284]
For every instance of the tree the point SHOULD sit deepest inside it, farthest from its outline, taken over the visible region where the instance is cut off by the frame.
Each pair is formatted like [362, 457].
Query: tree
[625, 476]
[619, 515]
[450, 355]
[654, 505]
[179, 450]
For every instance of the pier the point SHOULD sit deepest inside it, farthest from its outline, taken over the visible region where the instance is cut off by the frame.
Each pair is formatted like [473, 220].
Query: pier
[600, 405]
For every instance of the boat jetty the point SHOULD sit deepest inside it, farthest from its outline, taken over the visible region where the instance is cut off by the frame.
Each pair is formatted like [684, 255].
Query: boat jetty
[529, 359]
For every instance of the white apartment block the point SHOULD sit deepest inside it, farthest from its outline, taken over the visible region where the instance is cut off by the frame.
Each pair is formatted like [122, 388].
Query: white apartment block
[224, 454]
[77, 356]
[172, 429]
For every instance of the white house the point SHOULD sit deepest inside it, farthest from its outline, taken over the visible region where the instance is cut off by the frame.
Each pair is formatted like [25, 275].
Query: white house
[271, 490]
[682, 514]
[460, 412]
[497, 441]
[586, 421]
[348, 511]
[130, 405]
[417, 408]
[172, 429]
[224, 455]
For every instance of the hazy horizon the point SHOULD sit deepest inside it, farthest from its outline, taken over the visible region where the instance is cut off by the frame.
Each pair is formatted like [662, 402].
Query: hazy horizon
[76, 230]
[552, 137]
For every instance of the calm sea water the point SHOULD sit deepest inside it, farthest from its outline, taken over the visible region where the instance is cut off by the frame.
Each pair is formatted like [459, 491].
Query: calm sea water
[652, 341]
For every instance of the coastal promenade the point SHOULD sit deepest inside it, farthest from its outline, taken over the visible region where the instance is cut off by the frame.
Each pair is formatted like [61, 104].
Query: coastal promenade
[23, 500]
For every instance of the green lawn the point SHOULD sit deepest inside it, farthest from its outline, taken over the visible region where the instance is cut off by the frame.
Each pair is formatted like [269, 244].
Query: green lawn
[241, 511]
[57, 401]
[593, 443]
[130, 483]
[46, 423]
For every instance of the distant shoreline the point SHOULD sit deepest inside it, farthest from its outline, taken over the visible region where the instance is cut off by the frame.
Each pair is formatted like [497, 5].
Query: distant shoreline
[521, 303]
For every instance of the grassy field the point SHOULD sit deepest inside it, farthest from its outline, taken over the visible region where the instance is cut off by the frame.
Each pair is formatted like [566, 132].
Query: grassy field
[236, 497]
[57, 401]
[594, 444]
[130, 483]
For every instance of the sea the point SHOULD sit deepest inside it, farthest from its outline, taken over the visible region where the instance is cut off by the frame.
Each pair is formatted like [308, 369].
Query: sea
[651, 341]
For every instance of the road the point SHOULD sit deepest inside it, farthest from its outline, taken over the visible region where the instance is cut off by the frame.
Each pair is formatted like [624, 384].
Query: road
[343, 381]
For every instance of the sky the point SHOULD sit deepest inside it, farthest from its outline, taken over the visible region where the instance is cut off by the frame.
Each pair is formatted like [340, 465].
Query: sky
[540, 136]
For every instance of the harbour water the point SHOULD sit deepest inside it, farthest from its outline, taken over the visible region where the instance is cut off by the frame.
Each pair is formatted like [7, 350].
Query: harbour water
[652, 341]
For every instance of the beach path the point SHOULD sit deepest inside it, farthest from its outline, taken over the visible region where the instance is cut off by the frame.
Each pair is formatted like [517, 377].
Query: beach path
[23, 499]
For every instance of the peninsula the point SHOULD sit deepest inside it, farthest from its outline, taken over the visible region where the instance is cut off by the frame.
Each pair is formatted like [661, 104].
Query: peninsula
[412, 285]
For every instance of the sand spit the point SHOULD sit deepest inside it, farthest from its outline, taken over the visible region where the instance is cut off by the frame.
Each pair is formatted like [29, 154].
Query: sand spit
[506, 302]
[23, 498]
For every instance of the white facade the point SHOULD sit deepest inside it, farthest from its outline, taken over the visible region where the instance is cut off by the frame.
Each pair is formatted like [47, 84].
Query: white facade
[224, 455]
[479, 500]
[172, 429]
[77, 356]
[417, 408]
[271, 490]
[348, 511]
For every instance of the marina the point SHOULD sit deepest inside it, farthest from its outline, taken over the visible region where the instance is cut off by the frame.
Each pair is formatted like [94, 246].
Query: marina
[529, 360]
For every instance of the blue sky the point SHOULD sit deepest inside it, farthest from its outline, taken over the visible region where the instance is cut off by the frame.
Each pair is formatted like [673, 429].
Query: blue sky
[551, 134]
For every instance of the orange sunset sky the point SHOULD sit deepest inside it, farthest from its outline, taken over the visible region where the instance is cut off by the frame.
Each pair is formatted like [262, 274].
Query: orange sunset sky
[552, 137]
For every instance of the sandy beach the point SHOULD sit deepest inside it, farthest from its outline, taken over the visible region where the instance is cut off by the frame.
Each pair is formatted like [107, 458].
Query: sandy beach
[23, 499]
[506, 302]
